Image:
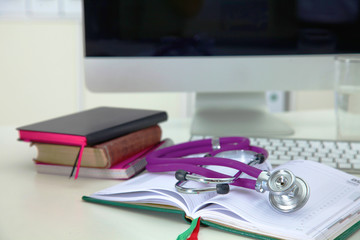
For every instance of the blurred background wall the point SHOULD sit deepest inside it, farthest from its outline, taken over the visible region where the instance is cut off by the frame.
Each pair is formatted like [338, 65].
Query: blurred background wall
[41, 68]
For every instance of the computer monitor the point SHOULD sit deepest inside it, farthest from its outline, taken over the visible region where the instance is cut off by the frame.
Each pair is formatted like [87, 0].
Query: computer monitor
[227, 51]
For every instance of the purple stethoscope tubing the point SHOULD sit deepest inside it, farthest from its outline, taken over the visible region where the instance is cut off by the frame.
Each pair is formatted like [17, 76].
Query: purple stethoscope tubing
[172, 159]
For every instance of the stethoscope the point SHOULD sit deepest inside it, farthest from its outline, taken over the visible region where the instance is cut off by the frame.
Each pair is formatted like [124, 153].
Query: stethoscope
[287, 193]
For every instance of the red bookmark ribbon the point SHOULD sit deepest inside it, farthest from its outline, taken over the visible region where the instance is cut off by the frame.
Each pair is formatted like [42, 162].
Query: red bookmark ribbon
[192, 232]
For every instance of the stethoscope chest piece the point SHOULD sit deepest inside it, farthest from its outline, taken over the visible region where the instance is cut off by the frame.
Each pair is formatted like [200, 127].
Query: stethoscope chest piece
[287, 193]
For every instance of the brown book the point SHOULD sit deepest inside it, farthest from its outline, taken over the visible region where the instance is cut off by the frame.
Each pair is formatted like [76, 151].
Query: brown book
[102, 155]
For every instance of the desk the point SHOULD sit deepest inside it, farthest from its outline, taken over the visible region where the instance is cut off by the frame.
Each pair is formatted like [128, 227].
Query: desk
[39, 206]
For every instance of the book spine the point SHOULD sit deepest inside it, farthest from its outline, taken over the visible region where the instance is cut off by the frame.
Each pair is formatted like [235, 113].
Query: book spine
[122, 148]
[125, 129]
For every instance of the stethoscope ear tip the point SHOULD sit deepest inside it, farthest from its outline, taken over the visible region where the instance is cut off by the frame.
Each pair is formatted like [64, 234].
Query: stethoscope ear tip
[181, 175]
[222, 188]
[260, 157]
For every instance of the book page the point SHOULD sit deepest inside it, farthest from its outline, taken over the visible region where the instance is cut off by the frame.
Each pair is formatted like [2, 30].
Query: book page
[157, 188]
[334, 201]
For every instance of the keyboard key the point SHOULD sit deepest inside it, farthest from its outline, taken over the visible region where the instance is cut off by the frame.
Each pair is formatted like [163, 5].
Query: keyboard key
[316, 144]
[328, 144]
[320, 154]
[352, 152]
[292, 153]
[290, 143]
[272, 157]
[315, 159]
[337, 151]
[285, 158]
[270, 148]
[262, 140]
[343, 145]
[279, 153]
[354, 161]
[277, 162]
[323, 150]
[334, 155]
[356, 166]
[302, 143]
[355, 146]
[344, 165]
[310, 150]
[341, 160]
[327, 160]
[347, 158]
[277, 144]
[296, 149]
[306, 154]
[283, 149]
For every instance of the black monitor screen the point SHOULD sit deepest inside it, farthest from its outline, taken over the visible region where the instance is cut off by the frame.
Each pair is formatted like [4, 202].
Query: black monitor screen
[221, 27]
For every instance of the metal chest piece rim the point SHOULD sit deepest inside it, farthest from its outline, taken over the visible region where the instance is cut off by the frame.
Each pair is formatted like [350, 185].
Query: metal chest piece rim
[287, 193]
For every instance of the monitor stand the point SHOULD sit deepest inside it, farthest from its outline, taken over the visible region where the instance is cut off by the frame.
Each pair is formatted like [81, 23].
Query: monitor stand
[235, 114]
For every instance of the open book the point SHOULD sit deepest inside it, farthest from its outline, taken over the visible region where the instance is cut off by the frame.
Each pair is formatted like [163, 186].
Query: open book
[333, 209]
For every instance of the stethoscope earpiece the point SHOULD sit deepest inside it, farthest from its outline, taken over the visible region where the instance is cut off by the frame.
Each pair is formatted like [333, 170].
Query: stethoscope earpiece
[181, 175]
[222, 188]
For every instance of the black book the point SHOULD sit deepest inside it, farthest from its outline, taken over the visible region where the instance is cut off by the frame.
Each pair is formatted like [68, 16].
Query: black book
[95, 125]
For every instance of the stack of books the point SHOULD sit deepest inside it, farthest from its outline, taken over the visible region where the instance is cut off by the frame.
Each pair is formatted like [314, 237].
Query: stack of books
[103, 142]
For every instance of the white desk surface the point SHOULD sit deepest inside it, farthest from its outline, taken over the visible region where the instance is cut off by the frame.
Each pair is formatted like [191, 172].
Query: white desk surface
[39, 206]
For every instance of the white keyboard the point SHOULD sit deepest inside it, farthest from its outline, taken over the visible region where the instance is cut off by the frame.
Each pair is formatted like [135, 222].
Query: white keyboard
[343, 155]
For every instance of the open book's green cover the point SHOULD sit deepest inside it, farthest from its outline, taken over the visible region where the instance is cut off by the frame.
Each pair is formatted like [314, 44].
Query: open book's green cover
[346, 234]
